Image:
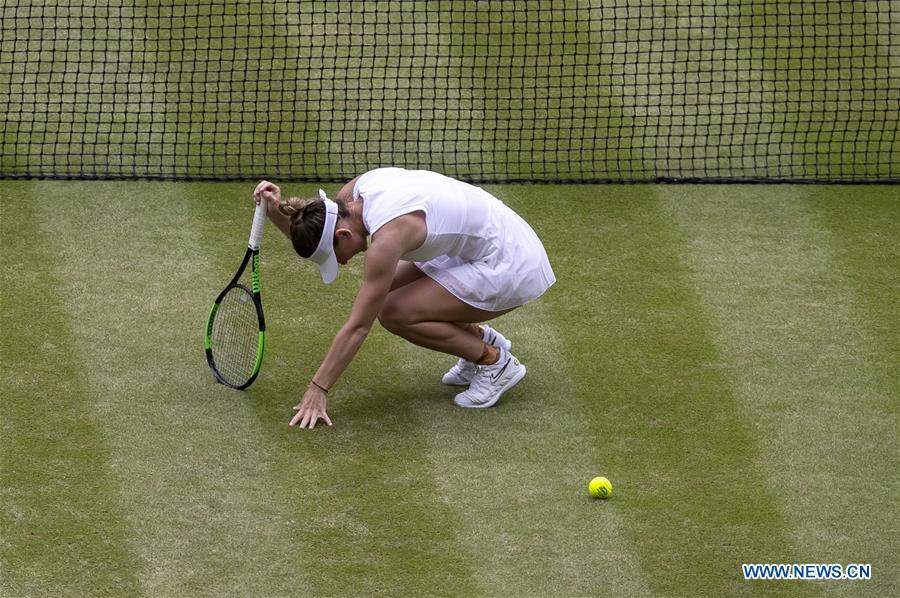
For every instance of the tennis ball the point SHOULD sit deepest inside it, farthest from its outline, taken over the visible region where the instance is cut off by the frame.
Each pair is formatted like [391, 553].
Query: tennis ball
[599, 487]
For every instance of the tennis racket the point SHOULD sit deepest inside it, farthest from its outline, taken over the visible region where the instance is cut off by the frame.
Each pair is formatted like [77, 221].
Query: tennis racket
[236, 328]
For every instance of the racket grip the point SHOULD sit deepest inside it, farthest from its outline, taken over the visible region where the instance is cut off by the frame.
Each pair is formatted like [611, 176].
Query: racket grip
[259, 219]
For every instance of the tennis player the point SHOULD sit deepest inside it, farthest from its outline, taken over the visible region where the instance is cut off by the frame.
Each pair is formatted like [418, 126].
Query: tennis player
[442, 257]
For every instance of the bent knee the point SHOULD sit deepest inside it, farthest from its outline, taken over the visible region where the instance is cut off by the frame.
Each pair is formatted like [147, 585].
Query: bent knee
[392, 317]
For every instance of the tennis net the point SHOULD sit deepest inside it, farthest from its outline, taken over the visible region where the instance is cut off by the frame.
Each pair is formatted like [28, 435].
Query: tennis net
[543, 90]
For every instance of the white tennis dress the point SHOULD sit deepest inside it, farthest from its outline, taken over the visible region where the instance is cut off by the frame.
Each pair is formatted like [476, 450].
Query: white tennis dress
[476, 247]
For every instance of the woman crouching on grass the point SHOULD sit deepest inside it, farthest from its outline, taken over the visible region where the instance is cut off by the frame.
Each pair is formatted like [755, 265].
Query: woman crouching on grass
[444, 256]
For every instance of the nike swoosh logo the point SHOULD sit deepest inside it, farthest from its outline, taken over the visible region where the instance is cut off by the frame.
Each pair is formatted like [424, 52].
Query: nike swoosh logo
[498, 375]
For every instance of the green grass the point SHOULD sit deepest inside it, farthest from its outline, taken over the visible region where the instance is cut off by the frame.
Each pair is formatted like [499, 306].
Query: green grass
[726, 355]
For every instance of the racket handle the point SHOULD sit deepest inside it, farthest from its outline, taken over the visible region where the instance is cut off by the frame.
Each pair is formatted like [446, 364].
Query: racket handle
[259, 219]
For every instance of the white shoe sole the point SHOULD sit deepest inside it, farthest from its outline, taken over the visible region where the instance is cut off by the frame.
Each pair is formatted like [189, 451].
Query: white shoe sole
[512, 382]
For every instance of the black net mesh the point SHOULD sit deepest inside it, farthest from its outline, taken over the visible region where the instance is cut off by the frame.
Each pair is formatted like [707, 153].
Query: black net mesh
[561, 90]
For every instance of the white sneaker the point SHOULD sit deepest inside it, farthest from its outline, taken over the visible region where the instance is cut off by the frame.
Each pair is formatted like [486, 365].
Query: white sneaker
[462, 371]
[494, 338]
[491, 381]
[460, 374]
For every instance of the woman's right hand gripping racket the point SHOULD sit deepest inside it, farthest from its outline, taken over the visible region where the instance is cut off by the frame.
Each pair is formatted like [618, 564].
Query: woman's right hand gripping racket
[236, 329]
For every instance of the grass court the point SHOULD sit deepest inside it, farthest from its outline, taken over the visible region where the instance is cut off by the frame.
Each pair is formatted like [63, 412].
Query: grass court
[727, 355]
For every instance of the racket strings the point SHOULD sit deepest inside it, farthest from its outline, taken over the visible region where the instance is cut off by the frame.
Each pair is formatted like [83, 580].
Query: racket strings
[235, 337]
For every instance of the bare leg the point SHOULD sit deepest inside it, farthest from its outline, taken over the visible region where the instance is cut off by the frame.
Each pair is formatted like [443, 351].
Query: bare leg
[471, 328]
[406, 273]
[426, 314]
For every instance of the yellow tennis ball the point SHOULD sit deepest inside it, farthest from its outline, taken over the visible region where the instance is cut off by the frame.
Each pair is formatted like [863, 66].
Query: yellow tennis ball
[600, 487]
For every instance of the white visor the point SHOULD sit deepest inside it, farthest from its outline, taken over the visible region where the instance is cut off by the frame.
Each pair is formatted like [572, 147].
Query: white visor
[324, 253]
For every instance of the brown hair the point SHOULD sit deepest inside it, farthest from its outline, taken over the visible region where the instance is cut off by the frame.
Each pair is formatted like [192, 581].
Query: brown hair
[307, 222]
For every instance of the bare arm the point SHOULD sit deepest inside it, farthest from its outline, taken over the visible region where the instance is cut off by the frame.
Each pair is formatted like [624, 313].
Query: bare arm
[392, 241]
[381, 262]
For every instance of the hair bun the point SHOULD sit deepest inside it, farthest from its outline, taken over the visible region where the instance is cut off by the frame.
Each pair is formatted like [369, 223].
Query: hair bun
[294, 206]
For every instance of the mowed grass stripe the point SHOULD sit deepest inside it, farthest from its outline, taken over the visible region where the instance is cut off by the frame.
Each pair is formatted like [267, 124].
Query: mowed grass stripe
[516, 475]
[817, 387]
[863, 224]
[864, 244]
[682, 454]
[190, 460]
[62, 526]
[367, 512]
